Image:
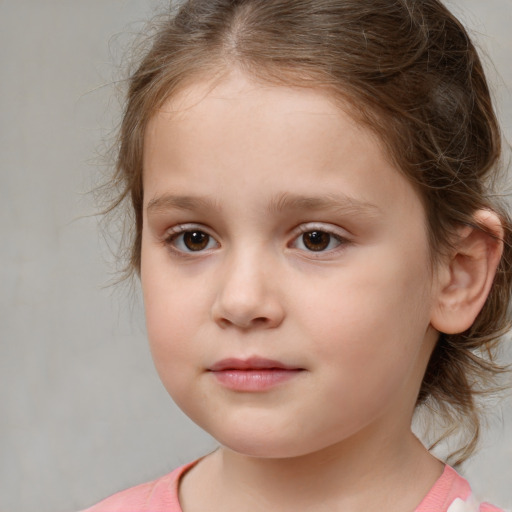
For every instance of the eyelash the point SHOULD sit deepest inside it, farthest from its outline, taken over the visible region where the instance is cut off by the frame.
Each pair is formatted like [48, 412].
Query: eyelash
[340, 240]
[180, 232]
[177, 234]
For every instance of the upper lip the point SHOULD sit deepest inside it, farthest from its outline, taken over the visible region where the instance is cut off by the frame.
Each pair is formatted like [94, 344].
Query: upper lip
[252, 363]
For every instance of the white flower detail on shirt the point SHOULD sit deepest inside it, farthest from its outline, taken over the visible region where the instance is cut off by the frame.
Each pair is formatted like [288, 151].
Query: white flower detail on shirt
[470, 505]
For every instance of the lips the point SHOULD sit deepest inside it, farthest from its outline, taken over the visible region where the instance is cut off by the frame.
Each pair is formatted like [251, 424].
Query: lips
[252, 375]
[253, 363]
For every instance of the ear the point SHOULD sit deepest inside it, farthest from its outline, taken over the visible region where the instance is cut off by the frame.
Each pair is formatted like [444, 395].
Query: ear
[464, 279]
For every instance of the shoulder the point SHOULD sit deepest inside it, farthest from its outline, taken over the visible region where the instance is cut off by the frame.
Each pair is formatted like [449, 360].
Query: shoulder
[160, 495]
[452, 493]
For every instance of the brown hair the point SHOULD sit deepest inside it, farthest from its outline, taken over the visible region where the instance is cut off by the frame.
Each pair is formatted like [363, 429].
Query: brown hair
[409, 71]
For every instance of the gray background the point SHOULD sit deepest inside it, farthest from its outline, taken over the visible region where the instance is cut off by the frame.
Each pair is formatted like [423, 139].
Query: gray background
[82, 411]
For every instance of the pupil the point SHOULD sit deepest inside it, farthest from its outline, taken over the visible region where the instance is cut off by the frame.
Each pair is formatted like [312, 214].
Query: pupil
[195, 240]
[316, 240]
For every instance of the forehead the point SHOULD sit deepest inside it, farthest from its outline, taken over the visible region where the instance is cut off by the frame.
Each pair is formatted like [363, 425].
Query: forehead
[235, 86]
[291, 138]
[237, 107]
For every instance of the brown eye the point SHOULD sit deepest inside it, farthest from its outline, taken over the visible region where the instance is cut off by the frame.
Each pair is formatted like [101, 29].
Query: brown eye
[187, 240]
[316, 240]
[195, 240]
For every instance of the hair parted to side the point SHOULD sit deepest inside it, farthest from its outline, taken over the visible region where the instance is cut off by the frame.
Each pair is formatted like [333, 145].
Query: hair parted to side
[408, 70]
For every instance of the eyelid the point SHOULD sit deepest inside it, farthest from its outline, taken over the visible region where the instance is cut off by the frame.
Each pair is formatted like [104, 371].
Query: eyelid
[187, 226]
[340, 234]
[332, 229]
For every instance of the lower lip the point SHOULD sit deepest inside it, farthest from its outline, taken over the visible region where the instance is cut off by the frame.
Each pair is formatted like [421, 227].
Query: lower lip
[254, 380]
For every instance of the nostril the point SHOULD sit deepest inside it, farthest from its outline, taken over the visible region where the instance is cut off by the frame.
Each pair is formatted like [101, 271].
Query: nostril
[260, 321]
[224, 323]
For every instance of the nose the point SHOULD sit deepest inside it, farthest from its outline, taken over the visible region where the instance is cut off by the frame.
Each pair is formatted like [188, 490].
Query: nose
[247, 296]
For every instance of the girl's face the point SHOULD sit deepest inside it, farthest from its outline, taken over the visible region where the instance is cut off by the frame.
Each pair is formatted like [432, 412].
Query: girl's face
[285, 270]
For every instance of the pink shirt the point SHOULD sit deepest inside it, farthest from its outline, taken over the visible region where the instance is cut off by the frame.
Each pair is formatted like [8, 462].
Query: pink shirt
[450, 493]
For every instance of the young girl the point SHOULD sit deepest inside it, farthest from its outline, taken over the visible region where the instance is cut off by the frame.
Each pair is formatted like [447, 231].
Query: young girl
[318, 249]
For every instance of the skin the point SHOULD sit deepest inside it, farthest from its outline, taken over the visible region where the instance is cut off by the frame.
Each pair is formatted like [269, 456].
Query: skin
[230, 161]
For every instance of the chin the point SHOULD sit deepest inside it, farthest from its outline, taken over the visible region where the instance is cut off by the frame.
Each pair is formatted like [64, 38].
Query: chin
[264, 450]
[267, 446]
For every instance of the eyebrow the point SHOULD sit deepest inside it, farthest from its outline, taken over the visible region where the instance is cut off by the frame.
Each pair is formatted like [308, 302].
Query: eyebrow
[167, 202]
[339, 203]
[335, 202]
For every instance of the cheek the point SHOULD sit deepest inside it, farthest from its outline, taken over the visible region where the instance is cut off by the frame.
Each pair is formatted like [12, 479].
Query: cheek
[170, 324]
[172, 304]
[170, 320]
[174, 328]
[372, 321]
[171, 343]
[368, 296]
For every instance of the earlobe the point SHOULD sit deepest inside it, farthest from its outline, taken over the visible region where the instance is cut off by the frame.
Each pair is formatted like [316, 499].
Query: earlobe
[465, 278]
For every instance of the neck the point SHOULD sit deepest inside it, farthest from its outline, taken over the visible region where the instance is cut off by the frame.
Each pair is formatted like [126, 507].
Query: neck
[384, 474]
